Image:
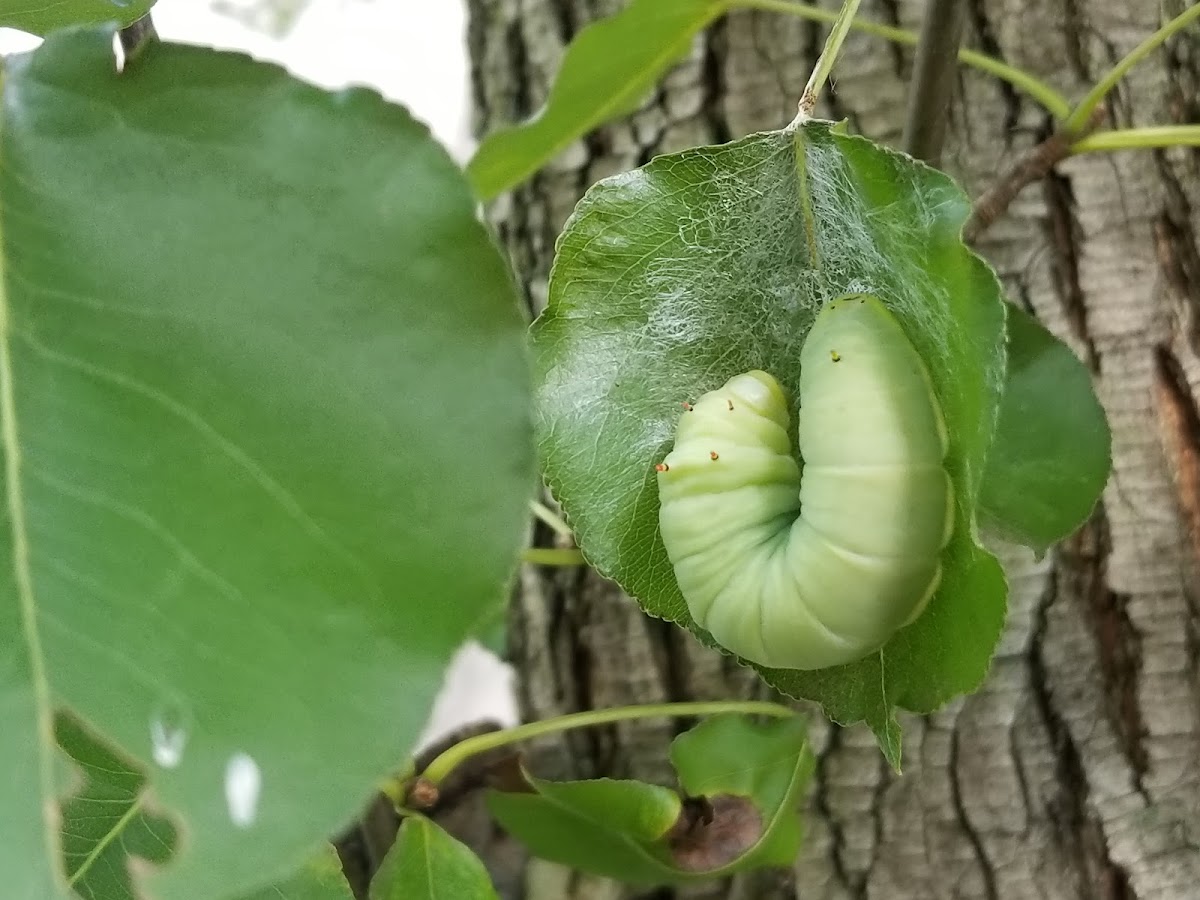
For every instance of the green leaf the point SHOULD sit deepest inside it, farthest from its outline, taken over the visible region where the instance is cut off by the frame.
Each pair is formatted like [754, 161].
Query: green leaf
[42, 16]
[104, 823]
[1052, 453]
[320, 879]
[606, 72]
[748, 776]
[672, 278]
[768, 763]
[609, 827]
[260, 369]
[425, 863]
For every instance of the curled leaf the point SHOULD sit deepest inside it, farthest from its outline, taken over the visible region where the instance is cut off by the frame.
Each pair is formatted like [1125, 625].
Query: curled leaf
[727, 830]
[742, 780]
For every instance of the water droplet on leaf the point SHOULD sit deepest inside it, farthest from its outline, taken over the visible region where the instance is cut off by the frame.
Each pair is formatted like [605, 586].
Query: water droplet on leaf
[243, 784]
[168, 735]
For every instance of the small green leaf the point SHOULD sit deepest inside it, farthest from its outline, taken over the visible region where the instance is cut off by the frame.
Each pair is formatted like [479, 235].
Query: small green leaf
[1052, 453]
[604, 826]
[42, 16]
[425, 863]
[606, 71]
[104, 823]
[259, 363]
[743, 781]
[704, 264]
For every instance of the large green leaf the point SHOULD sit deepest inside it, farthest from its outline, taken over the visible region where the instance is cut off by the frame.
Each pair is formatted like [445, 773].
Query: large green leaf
[606, 71]
[743, 781]
[673, 278]
[425, 863]
[264, 415]
[42, 16]
[1052, 452]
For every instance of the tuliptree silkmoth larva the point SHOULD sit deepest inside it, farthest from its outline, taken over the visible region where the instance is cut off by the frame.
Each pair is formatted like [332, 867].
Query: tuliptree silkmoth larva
[814, 571]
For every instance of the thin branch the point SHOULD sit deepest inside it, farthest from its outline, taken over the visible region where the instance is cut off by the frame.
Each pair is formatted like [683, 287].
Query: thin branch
[933, 79]
[1053, 101]
[1034, 165]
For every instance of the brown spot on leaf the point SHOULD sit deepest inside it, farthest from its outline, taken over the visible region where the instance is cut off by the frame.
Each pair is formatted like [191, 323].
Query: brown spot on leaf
[713, 832]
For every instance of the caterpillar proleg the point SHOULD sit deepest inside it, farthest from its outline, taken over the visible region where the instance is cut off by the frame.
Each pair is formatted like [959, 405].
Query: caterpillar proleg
[804, 571]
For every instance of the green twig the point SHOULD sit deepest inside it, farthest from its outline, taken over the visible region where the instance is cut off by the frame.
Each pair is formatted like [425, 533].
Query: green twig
[933, 79]
[556, 522]
[551, 556]
[1139, 138]
[1054, 102]
[1079, 118]
[435, 773]
[829, 55]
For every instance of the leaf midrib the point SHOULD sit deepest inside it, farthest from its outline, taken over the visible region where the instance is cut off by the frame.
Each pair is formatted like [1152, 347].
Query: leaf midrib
[22, 575]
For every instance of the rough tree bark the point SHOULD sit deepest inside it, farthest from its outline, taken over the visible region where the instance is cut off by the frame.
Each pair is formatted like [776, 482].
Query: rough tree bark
[1075, 771]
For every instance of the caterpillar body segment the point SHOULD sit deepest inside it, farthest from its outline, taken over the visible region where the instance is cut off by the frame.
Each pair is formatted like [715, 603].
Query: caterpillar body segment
[805, 572]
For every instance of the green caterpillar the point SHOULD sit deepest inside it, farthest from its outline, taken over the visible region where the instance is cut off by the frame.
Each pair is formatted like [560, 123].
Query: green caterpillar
[804, 573]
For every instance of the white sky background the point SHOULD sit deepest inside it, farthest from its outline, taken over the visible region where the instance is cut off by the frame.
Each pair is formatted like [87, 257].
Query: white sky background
[413, 52]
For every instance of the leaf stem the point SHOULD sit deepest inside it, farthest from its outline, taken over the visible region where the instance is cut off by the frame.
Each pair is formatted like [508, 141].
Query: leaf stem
[829, 55]
[1139, 138]
[548, 516]
[435, 773]
[552, 556]
[1079, 118]
[1047, 96]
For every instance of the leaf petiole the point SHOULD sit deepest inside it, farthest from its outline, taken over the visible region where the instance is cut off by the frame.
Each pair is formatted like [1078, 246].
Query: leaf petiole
[435, 773]
[829, 55]
[1139, 138]
[549, 517]
[1079, 118]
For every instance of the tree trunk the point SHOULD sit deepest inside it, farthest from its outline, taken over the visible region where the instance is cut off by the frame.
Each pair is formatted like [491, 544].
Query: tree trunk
[1075, 771]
